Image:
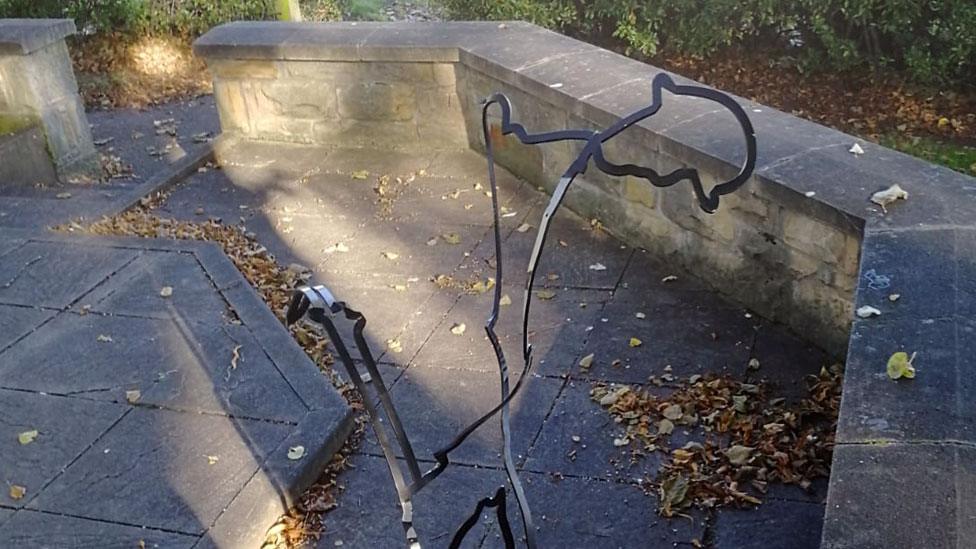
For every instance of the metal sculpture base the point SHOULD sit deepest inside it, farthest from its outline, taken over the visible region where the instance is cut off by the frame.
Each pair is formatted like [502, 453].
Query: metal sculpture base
[322, 307]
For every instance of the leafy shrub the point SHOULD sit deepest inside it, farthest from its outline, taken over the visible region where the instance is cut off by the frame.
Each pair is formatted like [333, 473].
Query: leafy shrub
[934, 40]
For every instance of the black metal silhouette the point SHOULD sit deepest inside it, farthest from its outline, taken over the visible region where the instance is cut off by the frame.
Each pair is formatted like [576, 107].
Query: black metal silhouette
[321, 306]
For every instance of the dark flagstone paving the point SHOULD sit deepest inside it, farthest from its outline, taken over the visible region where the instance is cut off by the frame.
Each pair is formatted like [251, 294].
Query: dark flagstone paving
[306, 207]
[192, 458]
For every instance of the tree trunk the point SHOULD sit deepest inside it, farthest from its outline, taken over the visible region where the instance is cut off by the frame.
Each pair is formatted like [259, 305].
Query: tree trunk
[288, 10]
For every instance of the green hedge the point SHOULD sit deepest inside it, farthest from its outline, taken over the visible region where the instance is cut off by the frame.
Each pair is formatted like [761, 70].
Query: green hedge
[175, 17]
[934, 41]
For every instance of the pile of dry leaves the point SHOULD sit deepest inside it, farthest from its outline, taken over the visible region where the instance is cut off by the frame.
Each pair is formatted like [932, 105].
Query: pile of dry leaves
[862, 103]
[748, 439]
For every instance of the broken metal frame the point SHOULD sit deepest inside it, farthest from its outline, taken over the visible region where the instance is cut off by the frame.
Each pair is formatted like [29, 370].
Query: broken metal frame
[322, 307]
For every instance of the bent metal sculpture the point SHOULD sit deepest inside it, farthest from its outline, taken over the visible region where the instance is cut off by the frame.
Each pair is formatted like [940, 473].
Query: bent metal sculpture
[322, 307]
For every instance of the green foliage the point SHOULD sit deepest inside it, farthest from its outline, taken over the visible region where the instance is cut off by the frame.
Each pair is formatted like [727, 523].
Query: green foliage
[362, 10]
[178, 17]
[958, 157]
[934, 41]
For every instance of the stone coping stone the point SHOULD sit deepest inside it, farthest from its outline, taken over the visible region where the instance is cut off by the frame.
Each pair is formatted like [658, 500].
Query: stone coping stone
[923, 249]
[24, 36]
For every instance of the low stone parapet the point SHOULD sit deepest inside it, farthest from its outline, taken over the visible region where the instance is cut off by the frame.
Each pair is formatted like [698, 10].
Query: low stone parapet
[37, 84]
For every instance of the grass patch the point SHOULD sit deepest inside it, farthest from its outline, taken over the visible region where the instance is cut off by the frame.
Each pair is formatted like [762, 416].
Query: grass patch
[961, 158]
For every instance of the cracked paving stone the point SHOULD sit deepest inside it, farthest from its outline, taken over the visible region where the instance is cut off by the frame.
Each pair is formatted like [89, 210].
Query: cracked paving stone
[152, 469]
[65, 426]
[15, 322]
[55, 274]
[135, 290]
[369, 515]
[435, 405]
[34, 529]
[180, 365]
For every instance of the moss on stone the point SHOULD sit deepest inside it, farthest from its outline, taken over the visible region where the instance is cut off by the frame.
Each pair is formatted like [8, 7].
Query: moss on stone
[11, 123]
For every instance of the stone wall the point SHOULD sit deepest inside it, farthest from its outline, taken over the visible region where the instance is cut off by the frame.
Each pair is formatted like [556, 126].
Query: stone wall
[38, 82]
[777, 259]
[341, 104]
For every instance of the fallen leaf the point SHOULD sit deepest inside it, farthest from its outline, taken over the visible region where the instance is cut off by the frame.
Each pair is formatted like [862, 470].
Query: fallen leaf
[894, 297]
[867, 311]
[391, 255]
[133, 396]
[598, 267]
[622, 441]
[586, 361]
[665, 427]
[753, 364]
[394, 345]
[399, 287]
[640, 316]
[166, 291]
[63, 196]
[673, 412]
[338, 247]
[669, 278]
[505, 300]
[235, 357]
[432, 241]
[856, 150]
[451, 238]
[296, 452]
[17, 492]
[212, 460]
[458, 329]
[523, 228]
[360, 174]
[888, 196]
[674, 494]
[634, 342]
[102, 338]
[900, 365]
[738, 454]
[545, 295]
[27, 437]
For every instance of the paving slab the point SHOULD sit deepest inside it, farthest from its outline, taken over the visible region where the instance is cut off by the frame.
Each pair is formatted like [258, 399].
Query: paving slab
[65, 429]
[435, 408]
[180, 365]
[369, 515]
[872, 503]
[693, 336]
[574, 414]
[137, 290]
[16, 322]
[589, 513]
[775, 523]
[49, 531]
[51, 275]
[559, 327]
[156, 468]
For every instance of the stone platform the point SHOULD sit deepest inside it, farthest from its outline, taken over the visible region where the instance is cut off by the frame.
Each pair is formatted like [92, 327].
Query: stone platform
[310, 206]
